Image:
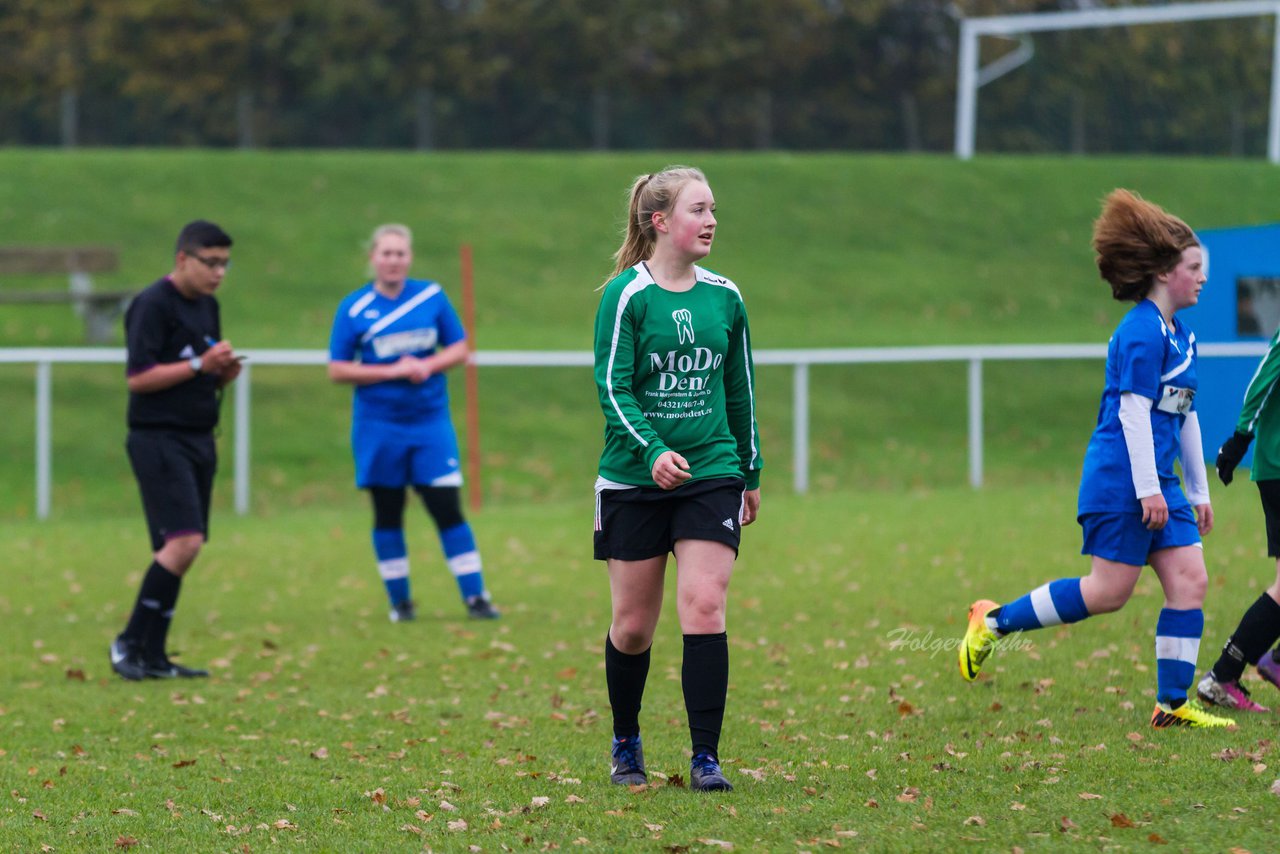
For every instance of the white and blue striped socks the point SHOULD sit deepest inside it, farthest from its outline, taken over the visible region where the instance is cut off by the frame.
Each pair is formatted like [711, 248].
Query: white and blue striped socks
[1051, 604]
[393, 562]
[1177, 647]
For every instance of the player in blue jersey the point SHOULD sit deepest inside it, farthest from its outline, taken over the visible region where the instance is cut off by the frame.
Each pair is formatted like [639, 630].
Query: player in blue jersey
[393, 339]
[1131, 506]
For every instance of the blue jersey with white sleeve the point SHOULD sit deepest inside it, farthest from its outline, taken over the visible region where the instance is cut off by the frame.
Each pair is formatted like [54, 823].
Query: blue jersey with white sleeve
[376, 330]
[1147, 357]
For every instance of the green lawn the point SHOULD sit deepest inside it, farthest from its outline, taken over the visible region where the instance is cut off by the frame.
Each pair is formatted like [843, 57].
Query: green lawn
[325, 727]
[830, 250]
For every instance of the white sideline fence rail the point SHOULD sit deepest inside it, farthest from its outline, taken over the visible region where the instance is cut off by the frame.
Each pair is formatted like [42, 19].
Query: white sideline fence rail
[44, 358]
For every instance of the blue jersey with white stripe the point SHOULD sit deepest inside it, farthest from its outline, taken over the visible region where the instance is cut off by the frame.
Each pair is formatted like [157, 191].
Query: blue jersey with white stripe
[375, 330]
[1150, 358]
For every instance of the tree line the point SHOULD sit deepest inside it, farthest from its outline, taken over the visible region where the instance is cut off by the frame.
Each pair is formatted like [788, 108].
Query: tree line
[619, 74]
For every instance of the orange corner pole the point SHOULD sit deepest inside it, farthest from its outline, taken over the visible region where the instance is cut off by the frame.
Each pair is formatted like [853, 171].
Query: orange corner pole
[475, 498]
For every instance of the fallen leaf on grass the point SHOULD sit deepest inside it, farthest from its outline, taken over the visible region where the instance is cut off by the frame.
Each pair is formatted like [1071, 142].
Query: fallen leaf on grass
[123, 811]
[75, 673]
[284, 824]
[1121, 820]
[1065, 824]
[1157, 839]
[460, 824]
[125, 841]
[717, 843]
[656, 828]
[975, 820]
[574, 799]
[184, 763]
[909, 795]
[540, 801]
[41, 816]
[320, 753]
[1089, 796]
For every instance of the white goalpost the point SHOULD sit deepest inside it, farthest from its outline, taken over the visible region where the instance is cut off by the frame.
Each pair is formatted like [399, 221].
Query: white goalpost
[970, 77]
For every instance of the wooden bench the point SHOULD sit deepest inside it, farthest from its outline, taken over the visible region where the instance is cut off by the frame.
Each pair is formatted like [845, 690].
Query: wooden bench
[99, 309]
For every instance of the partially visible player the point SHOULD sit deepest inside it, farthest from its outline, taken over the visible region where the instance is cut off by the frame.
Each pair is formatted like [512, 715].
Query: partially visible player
[1260, 626]
[680, 470]
[177, 366]
[1131, 506]
[393, 339]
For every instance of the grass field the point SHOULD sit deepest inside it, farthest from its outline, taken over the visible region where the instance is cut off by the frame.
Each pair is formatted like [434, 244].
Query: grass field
[324, 727]
[830, 250]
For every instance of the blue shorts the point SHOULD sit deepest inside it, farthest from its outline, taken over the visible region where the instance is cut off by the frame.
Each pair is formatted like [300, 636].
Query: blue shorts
[1123, 538]
[424, 453]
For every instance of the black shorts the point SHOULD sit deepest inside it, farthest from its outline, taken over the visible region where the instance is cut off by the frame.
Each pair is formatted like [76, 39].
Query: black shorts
[644, 521]
[1270, 492]
[175, 472]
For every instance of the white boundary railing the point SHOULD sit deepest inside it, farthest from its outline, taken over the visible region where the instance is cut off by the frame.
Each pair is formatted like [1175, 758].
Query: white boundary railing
[800, 360]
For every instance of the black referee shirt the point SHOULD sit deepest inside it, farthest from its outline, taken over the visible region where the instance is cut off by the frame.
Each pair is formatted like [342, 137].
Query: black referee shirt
[161, 325]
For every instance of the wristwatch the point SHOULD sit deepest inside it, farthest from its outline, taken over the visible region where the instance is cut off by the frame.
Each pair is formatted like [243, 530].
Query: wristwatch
[196, 363]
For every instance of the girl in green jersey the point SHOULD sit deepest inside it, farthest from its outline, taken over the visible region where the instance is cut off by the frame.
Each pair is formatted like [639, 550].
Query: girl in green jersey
[680, 470]
[1260, 626]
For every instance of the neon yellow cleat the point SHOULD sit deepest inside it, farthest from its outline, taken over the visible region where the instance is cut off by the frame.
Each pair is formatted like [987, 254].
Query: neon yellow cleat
[1188, 714]
[979, 639]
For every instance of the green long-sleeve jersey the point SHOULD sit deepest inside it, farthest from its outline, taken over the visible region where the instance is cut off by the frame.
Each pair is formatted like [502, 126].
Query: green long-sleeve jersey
[1260, 415]
[675, 373]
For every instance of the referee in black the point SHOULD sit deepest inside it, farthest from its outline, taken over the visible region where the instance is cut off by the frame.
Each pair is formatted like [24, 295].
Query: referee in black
[177, 367]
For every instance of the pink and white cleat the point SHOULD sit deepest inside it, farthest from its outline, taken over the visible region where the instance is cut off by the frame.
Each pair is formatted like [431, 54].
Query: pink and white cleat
[1228, 695]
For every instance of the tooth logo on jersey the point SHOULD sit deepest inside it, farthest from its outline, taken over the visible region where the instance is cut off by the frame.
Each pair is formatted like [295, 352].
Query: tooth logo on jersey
[684, 324]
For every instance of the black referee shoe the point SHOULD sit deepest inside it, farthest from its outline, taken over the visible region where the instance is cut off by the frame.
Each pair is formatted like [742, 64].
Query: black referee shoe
[160, 667]
[126, 660]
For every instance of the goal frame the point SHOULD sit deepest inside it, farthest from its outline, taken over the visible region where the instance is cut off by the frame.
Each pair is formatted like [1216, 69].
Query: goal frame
[969, 77]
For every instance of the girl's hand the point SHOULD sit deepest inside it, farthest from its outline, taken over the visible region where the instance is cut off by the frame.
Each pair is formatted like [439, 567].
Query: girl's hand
[1155, 512]
[670, 470]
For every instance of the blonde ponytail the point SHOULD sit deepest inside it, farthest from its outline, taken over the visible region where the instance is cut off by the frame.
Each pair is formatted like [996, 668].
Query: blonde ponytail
[650, 194]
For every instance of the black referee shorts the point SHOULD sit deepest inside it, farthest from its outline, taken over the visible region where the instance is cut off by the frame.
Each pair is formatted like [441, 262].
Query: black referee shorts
[644, 521]
[1270, 492]
[175, 472]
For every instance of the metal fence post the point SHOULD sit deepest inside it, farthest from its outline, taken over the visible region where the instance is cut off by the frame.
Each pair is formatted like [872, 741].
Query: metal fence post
[44, 437]
[975, 423]
[242, 439]
[800, 426]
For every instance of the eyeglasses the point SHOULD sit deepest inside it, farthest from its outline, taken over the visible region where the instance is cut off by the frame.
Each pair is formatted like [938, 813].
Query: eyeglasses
[212, 263]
